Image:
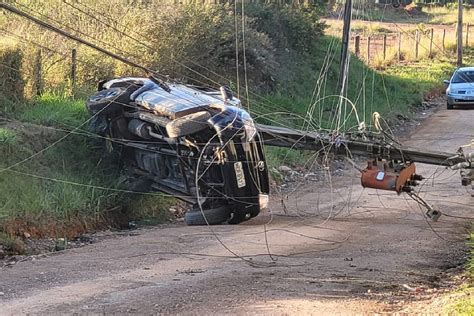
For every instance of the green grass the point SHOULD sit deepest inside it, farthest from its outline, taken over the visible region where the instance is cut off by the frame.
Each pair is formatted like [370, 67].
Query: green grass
[7, 137]
[422, 76]
[447, 14]
[391, 92]
[54, 109]
[463, 298]
[77, 162]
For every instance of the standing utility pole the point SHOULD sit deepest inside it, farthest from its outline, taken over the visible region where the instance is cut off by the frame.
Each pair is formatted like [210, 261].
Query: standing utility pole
[345, 46]
[459, 32]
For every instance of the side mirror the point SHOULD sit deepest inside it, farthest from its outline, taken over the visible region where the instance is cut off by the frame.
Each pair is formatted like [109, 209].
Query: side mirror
[446, 82]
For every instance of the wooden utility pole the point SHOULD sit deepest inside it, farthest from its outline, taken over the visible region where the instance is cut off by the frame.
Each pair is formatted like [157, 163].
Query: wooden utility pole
[459, 31]
[345, 46]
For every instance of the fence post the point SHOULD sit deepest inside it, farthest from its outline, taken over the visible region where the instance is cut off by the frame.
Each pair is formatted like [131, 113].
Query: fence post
[357, 45]
[73, 70]
[368, 49]
[431, 43]
[384, 46]
[37, 88]
[444, 37]
[399, 46]
[467, 34]
[417, 41]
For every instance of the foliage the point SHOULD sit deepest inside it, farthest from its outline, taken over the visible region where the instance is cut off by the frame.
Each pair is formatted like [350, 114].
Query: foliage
[11, 81]
[7, 137]
[192, 42]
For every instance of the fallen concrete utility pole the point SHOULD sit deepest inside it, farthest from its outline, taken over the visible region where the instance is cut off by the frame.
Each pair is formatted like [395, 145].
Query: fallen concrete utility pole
[390, 165]
[364, 144]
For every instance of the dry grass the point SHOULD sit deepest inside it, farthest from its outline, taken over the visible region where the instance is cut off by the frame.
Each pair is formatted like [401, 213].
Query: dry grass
[448, 14]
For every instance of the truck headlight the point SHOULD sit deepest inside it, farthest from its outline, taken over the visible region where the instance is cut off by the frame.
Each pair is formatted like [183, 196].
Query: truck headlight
[249, 126]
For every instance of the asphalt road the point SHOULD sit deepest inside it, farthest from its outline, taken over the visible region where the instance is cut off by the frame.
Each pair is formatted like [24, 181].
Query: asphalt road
[334, 247]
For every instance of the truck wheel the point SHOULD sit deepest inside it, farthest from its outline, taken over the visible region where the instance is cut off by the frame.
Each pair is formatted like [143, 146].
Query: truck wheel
[449, 106]
[108, 101]
[213, 216]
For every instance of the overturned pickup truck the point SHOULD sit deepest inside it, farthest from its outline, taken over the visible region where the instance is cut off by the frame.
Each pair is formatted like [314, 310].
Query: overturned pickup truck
[194, 143]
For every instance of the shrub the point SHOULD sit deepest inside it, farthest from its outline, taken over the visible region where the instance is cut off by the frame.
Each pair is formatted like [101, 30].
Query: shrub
[190, 41]
[11, 81]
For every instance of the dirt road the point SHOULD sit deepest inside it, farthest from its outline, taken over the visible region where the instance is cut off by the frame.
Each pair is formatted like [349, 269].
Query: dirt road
[342, 250]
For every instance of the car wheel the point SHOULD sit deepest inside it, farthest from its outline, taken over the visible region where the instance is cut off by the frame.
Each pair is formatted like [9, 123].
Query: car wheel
[188, 124]
[449, 106]
[212, 216]
[108, 101]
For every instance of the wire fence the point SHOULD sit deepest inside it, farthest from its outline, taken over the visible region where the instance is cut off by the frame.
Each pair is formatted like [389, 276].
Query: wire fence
[412, 45]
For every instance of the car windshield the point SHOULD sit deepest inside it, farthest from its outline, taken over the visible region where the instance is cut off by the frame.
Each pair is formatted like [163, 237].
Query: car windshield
[463, 77]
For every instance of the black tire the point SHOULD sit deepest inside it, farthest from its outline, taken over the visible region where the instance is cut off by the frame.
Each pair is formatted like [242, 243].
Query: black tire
[108, 101]
[214, 216]
[449, 106]
[188, 124]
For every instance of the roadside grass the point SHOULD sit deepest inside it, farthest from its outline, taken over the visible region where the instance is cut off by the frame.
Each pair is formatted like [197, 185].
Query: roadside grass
[394, 92]
[447, 14]
[7, 137]
[84, 186]
[391, 92]
[54, 108]
[463, 302]
[423, 76]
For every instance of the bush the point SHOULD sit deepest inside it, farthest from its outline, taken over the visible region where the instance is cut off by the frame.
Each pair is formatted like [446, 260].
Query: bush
[11, 81]
[191, 41]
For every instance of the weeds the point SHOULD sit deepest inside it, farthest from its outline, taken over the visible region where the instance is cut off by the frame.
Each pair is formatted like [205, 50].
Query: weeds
[7, 137]
[53, 108]
[77, 202]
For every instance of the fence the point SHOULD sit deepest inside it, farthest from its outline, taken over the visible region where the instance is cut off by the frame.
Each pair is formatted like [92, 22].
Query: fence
[408, 45]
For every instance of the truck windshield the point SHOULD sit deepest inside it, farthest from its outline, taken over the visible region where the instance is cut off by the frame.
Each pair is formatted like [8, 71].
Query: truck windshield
[463, 77]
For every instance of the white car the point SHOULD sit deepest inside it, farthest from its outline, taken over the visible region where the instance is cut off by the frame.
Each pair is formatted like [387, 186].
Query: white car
[460, 90]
